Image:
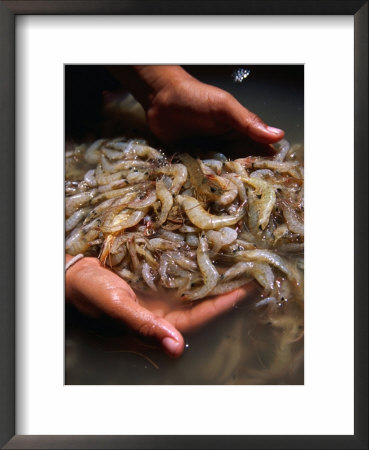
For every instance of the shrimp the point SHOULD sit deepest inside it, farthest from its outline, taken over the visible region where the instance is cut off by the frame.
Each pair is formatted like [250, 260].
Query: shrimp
[229, 286]
[103, 178]
[89, 178]
[79, 240]
[179, 174]
[284, 146]
[112, 154]
[119, 192]
[140, 150]
[131, 247]
[270, 258]
[262, 273]
[75, 218]
[293, 221]
[166, 200]
[171, 236]
[125, 219]
[236, 180]
[205, 186]
[123, 164]
[144, 200]
[209, 272]
[261, 203]
[236, 167]
[218, 239]
[76, 201]
[126, 274]
[147, 255]
[290, 167]
[93, 152]
[163, 244]
[214, 164]
[192, 240]
[148, 276]
[183, 261]
[202, 219]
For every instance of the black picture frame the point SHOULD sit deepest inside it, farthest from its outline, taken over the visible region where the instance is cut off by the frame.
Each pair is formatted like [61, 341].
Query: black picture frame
[8, 11]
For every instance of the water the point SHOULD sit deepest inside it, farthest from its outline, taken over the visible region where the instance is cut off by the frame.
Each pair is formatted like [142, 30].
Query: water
[245, 346]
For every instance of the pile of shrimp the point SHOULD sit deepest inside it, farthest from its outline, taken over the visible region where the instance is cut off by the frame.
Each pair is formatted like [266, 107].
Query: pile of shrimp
[194, 228]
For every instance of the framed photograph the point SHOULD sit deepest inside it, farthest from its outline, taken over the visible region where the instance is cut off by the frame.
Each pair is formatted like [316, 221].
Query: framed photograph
[69, 383]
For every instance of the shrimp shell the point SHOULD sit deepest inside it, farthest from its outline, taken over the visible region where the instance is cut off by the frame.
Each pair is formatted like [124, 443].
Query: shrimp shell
[208, 271]
[93, 153]
[148, 276]
[202, 219]
[166, 200]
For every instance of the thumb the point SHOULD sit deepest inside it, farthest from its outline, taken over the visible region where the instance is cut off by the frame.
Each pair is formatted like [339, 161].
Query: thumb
[92, 286]
[249, 123]
[148, 324]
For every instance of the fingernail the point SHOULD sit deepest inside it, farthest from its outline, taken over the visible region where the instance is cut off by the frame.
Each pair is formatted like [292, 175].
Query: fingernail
[274, 130]
[170, 344]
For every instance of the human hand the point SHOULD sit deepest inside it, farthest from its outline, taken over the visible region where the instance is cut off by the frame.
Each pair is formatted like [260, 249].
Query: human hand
[179, 106]
[95, 290]
[190, 108]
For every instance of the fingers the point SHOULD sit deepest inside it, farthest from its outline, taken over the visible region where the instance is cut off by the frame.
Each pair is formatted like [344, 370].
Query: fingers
[149, 325]
[92, 284]
[248, 123]
[207, 310]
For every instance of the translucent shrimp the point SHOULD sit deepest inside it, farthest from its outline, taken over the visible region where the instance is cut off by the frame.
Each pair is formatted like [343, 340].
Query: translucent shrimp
[111, 186]
[166, 200]
[266, 256]
[218, 239]
[93, 153]
[214, 164]
[171, 236]
[290, 167]
[229, 286]
[205, 185]
[76, 201]
[279, 232]
[75, 218]
[202, 219]
[294, 222]
[236, 167]
[192, 240]
[119, 192]
[90, 179]
[262, 273]
[131, 247]
[183, 261]
[139, 150]
[179, 174]
[123, 164]
[123, 220]
[163, 244]
[148, 276]
[103, 178]
[143, 200]
[79, 240]
[282, 146]
[261, 203]
[209, 273]
[112, 154]
[236, 180]
[141, 250]
[126, 274]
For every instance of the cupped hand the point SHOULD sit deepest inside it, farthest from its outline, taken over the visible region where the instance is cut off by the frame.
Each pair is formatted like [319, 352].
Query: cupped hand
[95, 290]
[188, 107]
